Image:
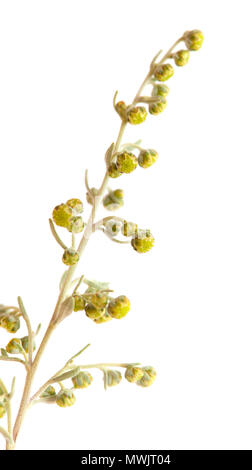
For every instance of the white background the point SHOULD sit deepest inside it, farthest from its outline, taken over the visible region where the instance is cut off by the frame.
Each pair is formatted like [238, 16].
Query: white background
[61, 62]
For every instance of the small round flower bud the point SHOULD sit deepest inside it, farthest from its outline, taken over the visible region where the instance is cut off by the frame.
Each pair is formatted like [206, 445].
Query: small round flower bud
[65, 398]
[82, 380]
[99, 300]
[91, 195]
[157, 108]
[48, 392]
[160, 90]
[114, 377]
[103, 319]
[137, 115]
[194, 40]
[113, 227]
[76, 224]
[14, 346]
[126, 162]
[61, 215]
[113, 200]
[163, 72]
[70, 257]
[119, 307]
[148, 377]
[2, 410]
[76, 205]
[113, 171]
[181, 57]
[143, 241]
[121, 109]
[93, 312]
[129, 229]
[79, 302]
[133, 374]
[25, 343]
[11, 323]
[147, 157]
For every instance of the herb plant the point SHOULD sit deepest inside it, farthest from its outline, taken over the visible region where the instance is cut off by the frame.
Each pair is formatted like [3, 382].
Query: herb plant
[94, 298]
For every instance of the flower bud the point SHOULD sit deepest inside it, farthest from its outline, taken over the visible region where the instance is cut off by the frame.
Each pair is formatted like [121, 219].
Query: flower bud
[103, 318]
[76, 205]
[91, 195]
[93, 312]
[99, 300]
[82, 380]
[61, 215]
[158, 107]
[129, 229]
[194, 40]
[10, 322]
[181, 57]
[113, 377]
[112, 227]
[121, 109]
[126, 162]
[65, 398]
[160, 90]
[147, 157]
[48, 392]
[148, 377]
[119, 307]
[113, 200]
[113, 171]
[143, 241]
[2, 409]
[163, 72]
[25, 344]
[137, 115]
[70, 257]
[133, 374]
[14, 346]
[76, 224]
[79, 302]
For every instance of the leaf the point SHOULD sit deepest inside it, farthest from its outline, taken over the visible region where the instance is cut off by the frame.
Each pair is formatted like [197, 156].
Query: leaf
[66, 375]
[97, 284]
[65, 309]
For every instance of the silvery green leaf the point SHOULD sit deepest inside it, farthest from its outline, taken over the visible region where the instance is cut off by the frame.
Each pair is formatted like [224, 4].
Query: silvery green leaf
[97, 284]
[66, 375]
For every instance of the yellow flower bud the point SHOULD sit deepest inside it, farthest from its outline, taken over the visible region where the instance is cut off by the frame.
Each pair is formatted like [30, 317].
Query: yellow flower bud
[121, 109]
[14, 346]
[65, 398]
[48, 392]
[160, 90]
[181, 57]
[99, 300]
[61, 215]
[158, 107]
[126, 162]
[10, 322]
[82, 380]
[113, 378]
[143, 241]
[133, 374]
[137, 115]
[194, 40]
[129, 229]
[113, 200]
[70, 257]
[163, 72]
[76, 224]
[79, 302]
[148, 377]
[93, 312]
[119, 307]
[146, 158]
[113, 171]
[76, 205]
[103, 318]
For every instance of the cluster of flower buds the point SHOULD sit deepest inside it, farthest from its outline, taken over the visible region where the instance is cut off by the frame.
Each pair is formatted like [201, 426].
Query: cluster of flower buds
[132, 114]
[102, 308]
[9, 318]
[143, 376]
[67, 215]
[141, 240]
[126, 162]
[19, 345]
